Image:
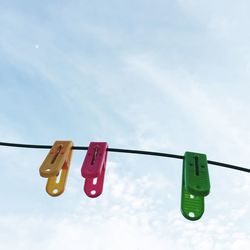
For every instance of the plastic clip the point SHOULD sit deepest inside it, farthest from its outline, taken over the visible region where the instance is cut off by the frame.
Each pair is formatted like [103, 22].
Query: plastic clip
[195, 185]
[56, 167]
[93, 168]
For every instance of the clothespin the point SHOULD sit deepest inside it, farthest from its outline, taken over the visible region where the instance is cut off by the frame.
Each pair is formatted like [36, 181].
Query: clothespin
[93, 168]
[56, 167]
[195, 185]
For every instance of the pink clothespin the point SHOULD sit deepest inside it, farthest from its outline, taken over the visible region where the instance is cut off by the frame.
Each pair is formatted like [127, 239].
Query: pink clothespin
[93, 168]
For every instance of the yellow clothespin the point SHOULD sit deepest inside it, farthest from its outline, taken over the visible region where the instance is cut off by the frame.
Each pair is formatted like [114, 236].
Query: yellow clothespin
[56, 167]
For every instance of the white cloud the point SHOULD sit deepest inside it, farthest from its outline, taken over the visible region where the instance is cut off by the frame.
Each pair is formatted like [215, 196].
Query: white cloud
[128, 217]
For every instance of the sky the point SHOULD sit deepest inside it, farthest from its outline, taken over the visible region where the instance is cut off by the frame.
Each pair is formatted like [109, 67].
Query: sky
[167, 76]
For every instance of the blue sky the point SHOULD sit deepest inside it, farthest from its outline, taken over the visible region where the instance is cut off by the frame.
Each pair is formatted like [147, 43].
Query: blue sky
[170, 76]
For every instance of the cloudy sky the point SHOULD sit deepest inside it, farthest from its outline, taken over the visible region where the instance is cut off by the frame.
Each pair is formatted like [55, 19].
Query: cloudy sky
[168, 76]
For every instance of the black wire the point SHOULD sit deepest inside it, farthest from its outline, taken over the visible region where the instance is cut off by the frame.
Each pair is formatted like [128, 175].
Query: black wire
[18, 145]
[128, 151]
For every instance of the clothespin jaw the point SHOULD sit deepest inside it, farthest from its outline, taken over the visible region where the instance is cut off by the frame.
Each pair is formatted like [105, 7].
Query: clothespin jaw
[195, 185]
[196, 174]
[56, 167]
[93, 168]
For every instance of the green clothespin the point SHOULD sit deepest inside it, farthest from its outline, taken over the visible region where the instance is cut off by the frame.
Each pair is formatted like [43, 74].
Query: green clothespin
[195, 185]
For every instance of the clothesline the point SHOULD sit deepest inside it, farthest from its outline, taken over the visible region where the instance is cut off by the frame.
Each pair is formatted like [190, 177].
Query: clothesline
[127, 151]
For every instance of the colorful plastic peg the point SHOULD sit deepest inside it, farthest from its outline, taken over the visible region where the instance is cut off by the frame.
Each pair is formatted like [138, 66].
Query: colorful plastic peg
[56, 167]
[93, 168]
[195, 185]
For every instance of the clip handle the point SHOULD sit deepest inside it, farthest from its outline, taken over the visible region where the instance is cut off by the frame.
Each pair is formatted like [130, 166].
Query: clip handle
[56, 184]
[93, 187]
[192, 207]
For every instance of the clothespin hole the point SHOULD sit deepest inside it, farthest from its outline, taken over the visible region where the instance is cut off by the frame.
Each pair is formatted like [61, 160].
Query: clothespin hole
[197, 172]
[93, 192]
[191, 196]
[95, 181]
[198, 187]
[55, 191]
[191, 214]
